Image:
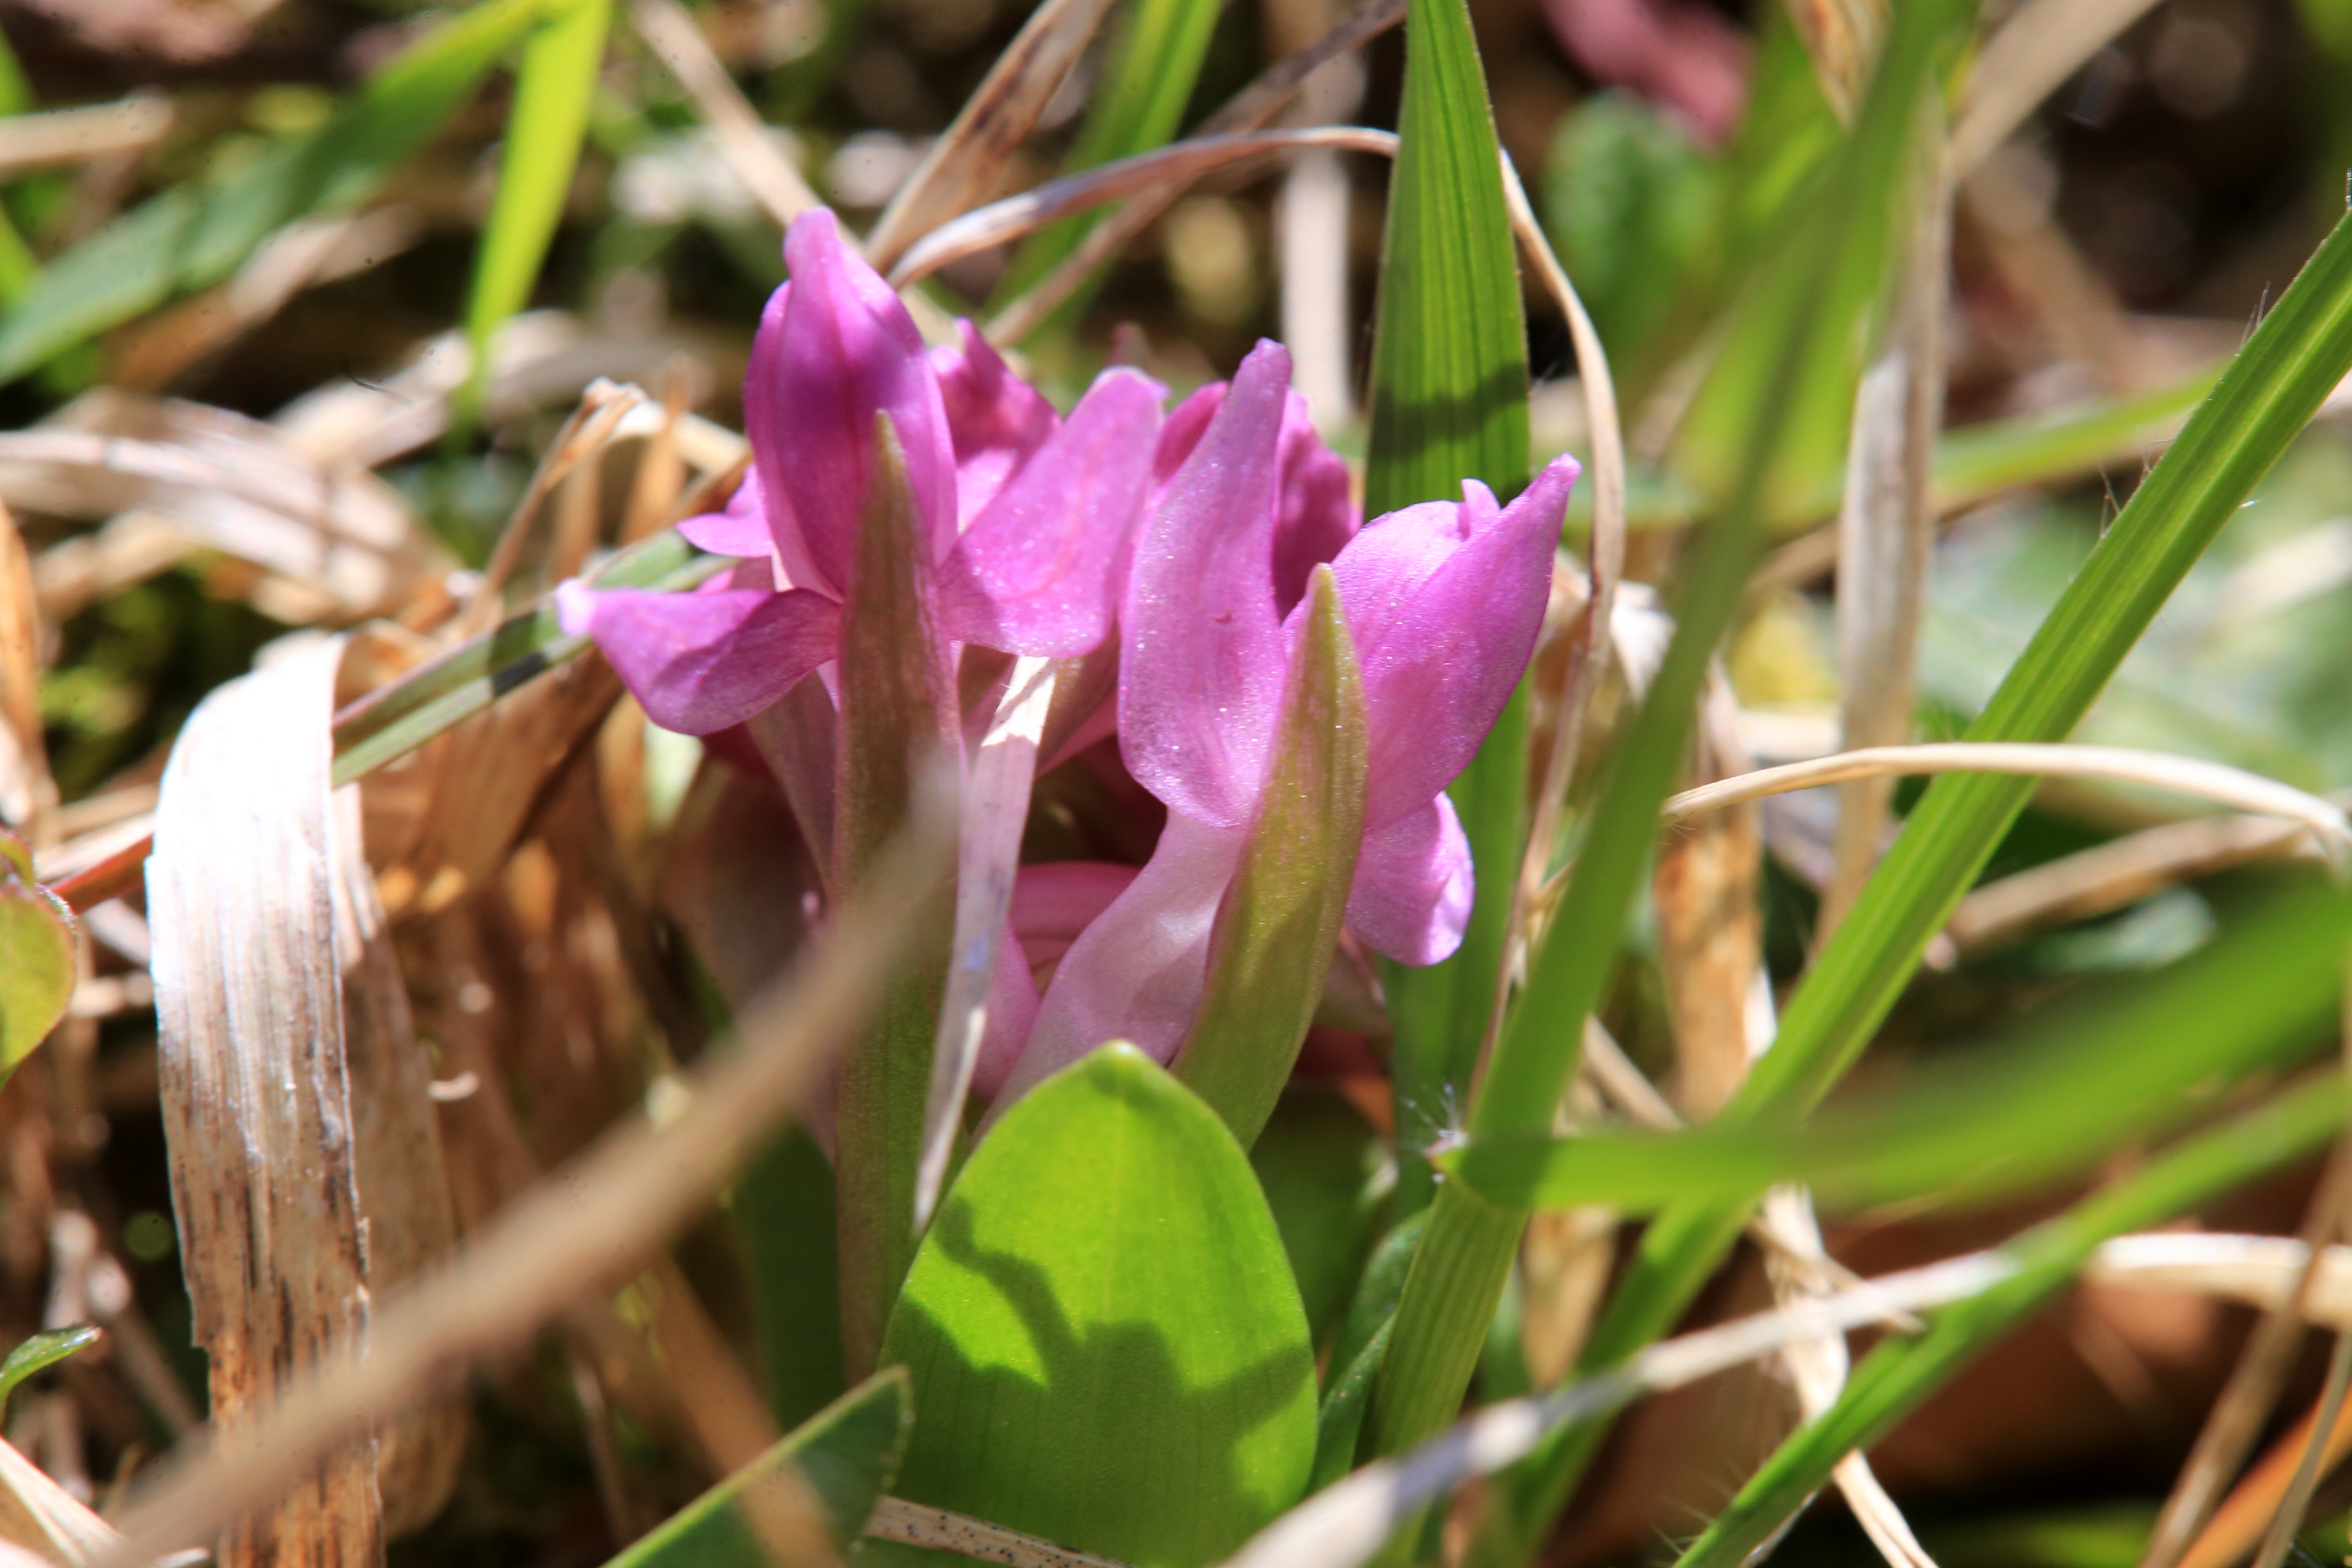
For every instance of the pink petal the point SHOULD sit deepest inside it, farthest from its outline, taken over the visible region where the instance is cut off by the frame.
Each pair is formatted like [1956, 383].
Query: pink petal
[994, 419]
[845, 350]
[1410, 898]
[702, 662]
[741, 529]
[1318, 514]
[1054, 903]
[1034, 574]
[1445, 602]
[1138, 971]
[1202, 655]
[763, 424]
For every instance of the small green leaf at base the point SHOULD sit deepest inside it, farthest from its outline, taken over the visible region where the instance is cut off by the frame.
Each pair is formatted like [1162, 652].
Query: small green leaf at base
[1106, 1347]
[38, 1352]
[36, 957]
[847, 1455]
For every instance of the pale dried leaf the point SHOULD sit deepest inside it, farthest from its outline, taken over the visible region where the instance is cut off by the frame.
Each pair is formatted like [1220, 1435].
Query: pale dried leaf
[256, 1088]
[41, 1518]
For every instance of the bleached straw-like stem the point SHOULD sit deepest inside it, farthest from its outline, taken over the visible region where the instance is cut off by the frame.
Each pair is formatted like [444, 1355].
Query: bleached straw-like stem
[591, 1223]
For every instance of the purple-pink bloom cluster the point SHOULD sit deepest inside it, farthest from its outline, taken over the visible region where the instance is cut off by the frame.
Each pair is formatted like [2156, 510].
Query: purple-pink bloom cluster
[1189, 538]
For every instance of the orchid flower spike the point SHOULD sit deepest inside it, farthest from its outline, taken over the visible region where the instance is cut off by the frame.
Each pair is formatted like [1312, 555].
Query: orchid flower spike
[1025, 517]
[1444, 602]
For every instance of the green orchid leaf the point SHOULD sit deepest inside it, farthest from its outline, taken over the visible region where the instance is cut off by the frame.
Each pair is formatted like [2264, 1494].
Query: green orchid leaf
[895, 712]
[1106, 1347]
[847, 1455]
[1275, 929]
[195, 235]
[783, 1207]
[555, 81]
[37, 956]
[38, 1351]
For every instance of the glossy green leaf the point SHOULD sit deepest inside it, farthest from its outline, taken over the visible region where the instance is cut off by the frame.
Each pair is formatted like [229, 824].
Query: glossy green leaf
[1449, 390]
[1900, 1374]
[895, 710]
[1282, 915]
[555, 81]
[847, 1454]
[2079, 1083]
[38, 1351]
[1156, 58]
[2301, 350]
[197, 233]
[37, 956]
[1106, 1347]
[1459, 1272]
[1327, 1179]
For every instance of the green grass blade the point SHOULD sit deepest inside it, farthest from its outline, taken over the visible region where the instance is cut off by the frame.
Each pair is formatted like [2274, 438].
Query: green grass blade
[1899, 1376]
[1156, 61]
[1449, 389]
[2097, 1074]
[37, 1353]
[2268, 393]
[555, 82]
[432, 698]
[195, 235]
[1459, 1272]
[847, 1455]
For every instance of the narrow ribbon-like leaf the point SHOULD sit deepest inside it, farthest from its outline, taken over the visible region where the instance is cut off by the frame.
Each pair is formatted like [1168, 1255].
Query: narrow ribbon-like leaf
[36, 957]
[554, 83]
[845, 1456]
[195, 235]
[896, 715]
[1276, 930]
[2070, 1089]
[1897, 1377]
[39, 1351]
[1106, 1347]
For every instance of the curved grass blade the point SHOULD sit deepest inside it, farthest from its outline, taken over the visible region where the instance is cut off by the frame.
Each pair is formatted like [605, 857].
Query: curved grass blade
[555, 81]
[2265, 397]
[2095, 1074]
[1459, 1273]
[195, 235]
[37, 1353]
[1899, 1376]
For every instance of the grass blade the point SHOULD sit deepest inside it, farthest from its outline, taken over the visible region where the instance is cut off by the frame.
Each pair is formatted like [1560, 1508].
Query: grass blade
[1449, 385]
[192, 235]
[554, 83]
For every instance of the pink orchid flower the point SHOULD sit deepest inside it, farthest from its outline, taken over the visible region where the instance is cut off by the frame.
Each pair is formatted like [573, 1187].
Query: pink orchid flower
[1444, 602]
[1027, 517]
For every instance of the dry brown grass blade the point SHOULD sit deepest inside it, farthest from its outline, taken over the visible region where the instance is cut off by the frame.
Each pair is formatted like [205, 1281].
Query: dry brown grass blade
[966, 162]
[43, 1517]
[1168, 168]
[584, 434]
[2213, 781]
[403, 1180]
[588, 1226]
[2115, 874]
[2236, 1526]
[1842, 38]
[919, 1524]
[28, 797]
[339, 535]
[2042, 43]
[1253, 106]
[255, 1089]
[31, 142]
[743, 138]
[1885, 526]
[1711, 925]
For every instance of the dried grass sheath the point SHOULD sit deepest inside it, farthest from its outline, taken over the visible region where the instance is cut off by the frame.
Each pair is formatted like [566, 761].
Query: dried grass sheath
[256, 1087]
